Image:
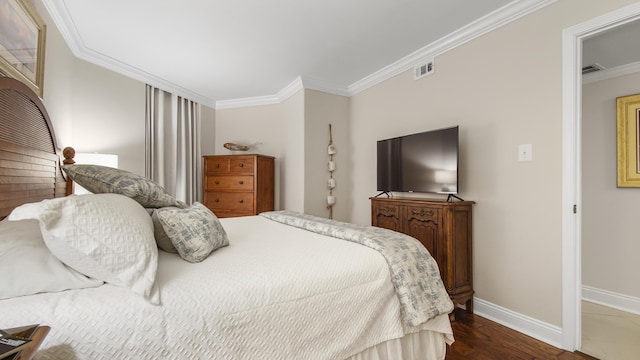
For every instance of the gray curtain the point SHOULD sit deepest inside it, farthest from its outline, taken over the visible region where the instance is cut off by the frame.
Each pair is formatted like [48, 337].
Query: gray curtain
[173, 155]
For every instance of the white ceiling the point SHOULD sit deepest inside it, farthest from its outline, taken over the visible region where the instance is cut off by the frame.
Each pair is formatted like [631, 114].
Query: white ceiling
[219, 50]
[216, 51]
[613, 48]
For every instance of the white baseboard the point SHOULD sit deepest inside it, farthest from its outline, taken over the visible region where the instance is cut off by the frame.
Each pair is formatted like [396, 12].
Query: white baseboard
[537, 329]
[552, 334]
[609, 298]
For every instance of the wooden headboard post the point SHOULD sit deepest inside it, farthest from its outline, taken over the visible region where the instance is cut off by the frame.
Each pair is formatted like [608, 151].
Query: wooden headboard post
[69, 153]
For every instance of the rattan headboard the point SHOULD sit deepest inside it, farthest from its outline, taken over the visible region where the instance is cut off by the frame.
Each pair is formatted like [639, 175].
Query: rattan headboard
[29, 160]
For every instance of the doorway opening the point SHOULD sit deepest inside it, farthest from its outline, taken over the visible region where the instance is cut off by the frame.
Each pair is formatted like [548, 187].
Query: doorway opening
[571, 168]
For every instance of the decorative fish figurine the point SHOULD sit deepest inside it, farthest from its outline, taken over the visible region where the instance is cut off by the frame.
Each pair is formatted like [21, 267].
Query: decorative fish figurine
[236, 147]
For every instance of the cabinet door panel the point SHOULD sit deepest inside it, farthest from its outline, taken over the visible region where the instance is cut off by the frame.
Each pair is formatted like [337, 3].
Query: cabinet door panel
[461, 254]
[424, 224]
[387, 216]
[444, 228]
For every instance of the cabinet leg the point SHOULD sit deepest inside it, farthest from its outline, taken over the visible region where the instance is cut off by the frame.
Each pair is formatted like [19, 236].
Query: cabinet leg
[469, 306]
[458, 313]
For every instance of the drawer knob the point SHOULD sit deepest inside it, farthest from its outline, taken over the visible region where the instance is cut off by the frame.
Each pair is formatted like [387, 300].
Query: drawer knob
[241, 182]
[217, 166]
[241, 201]
[217, 200]
[241, 165]
[217, 182]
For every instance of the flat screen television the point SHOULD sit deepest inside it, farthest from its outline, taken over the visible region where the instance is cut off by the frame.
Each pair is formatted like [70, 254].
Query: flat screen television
[424, 162]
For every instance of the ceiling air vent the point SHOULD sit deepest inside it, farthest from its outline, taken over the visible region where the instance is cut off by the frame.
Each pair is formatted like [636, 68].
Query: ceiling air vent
[592, 68]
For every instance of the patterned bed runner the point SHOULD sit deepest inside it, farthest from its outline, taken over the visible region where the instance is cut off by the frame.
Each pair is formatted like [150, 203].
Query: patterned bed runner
[414, 272]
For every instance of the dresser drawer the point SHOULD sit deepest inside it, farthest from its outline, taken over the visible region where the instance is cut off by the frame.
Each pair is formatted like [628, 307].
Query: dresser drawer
[229, 183]
[229, 165]
[424, 214]
[241, 164]
[216, 165]
[238, 185]
[227, 201]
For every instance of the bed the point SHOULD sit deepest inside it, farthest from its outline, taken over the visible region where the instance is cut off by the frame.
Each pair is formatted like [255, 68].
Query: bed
[279, 285]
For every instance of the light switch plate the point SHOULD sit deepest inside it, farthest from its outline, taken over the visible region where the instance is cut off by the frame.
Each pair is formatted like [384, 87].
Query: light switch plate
[525, 152]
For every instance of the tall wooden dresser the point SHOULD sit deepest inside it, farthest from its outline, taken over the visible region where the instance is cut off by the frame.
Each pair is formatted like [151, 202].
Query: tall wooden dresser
[238, 185]
[444, 228]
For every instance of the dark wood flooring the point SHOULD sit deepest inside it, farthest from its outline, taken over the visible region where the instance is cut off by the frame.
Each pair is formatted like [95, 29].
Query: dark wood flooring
[480, 339]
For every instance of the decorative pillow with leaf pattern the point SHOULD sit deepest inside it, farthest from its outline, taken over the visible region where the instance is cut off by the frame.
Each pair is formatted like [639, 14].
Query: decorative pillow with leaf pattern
[102, 179]
[195, 232]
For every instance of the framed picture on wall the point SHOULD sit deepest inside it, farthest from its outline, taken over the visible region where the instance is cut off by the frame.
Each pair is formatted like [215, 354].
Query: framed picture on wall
[628, 140]
[22, 43]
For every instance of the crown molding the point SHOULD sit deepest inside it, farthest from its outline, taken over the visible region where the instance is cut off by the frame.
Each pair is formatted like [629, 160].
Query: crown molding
[622, 70]
[325, 86]
[500, 17]
[300, 83]
[247, 102]
[60, 15]
[282, 95]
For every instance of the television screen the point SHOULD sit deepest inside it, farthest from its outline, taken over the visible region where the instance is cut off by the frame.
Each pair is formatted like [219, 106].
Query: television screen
[423, 162]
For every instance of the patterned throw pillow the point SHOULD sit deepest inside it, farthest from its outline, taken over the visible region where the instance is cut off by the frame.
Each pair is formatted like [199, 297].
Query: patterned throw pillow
[101, 179]
[162, 239]
[195, 232]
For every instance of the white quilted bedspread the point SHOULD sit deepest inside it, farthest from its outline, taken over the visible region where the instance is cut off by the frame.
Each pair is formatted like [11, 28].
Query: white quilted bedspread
[276, 292]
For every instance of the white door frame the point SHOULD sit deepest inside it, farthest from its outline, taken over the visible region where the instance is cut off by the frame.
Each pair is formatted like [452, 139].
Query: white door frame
[571, 166]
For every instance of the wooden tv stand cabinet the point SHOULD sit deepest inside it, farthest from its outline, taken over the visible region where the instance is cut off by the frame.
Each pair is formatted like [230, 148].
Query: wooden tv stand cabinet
[444, 228]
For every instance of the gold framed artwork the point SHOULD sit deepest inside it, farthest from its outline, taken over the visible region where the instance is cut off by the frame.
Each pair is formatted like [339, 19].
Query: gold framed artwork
[22, 43]
[628, 140]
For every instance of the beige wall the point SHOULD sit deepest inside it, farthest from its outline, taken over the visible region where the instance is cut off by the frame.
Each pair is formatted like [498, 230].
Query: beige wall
[609, 235]
[98, 110]
[291, 184]
[264, 126]
[296, 133]
[322, 109]
[207, 128]
[503, 89]
[92, 109]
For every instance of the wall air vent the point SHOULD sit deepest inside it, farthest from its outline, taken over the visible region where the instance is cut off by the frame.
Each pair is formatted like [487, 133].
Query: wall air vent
[592, 68]
[423, 70]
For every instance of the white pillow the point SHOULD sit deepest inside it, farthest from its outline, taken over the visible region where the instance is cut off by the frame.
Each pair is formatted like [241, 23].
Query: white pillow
[104, 236]
[28, 267]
